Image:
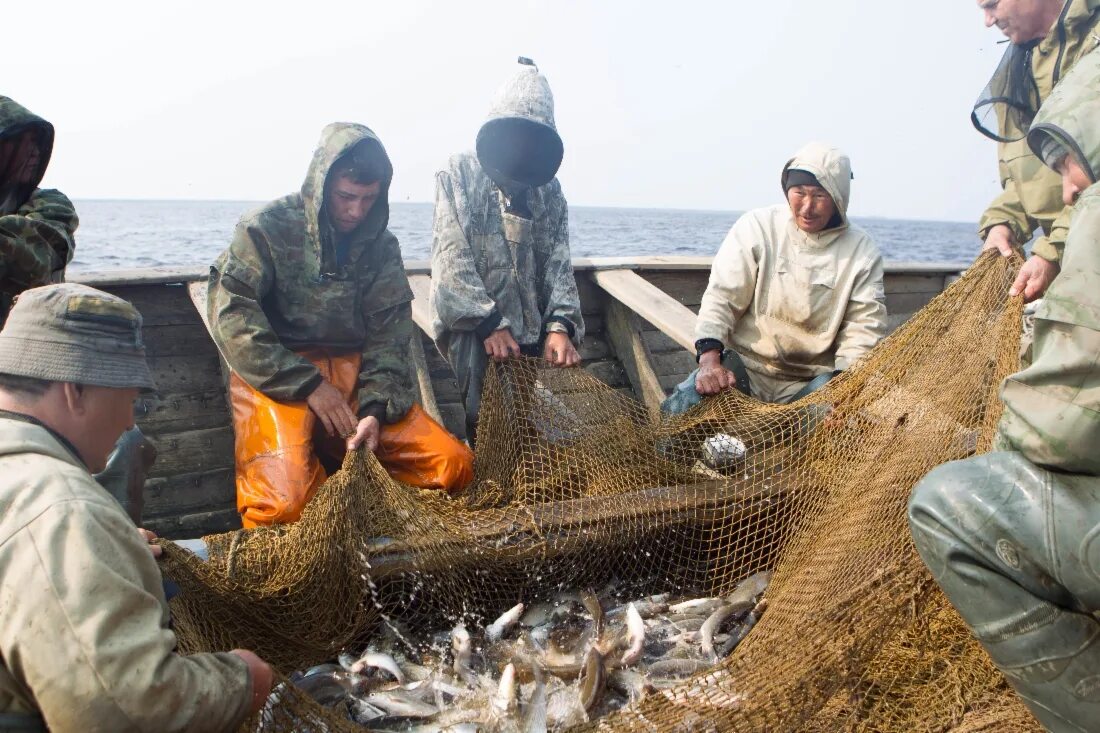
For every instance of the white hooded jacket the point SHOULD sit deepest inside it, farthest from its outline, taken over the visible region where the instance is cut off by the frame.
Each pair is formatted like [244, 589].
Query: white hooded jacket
[795, 305]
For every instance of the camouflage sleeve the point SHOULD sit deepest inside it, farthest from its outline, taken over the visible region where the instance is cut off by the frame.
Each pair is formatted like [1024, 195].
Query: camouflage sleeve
[558, 289]
[37, 240]
[459, 300]
[239, 280]
[386, 388]
[1052, 408]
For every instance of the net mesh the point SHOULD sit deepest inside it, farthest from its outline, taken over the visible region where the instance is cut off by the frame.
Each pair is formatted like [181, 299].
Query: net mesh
[578, 485]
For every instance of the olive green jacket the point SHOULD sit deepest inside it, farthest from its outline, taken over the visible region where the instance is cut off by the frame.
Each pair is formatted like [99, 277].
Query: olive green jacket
[282, 287]
[1032, 196]
[85, 639]
[36, 234]
[1052, 408]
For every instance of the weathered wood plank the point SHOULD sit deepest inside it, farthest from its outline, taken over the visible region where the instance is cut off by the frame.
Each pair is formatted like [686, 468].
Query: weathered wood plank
[421, 286]
[419, 365]
[685, 286]
[907, 303]
[610, 373]
[177, 453]
[190, 492]
[626, 341]
[165, 413]
[197, 291]
[651, 303]
[913, 283]
[673, 362]
[199, 524]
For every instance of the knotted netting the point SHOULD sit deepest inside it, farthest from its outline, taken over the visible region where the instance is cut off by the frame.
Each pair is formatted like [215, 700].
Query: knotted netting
[578, 485]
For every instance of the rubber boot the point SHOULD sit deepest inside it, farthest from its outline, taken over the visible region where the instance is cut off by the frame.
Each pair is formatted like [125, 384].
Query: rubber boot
[1016, 549]
[127, 467]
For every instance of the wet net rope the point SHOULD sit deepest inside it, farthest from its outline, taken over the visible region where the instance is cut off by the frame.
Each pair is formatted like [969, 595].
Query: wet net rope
[577, 484]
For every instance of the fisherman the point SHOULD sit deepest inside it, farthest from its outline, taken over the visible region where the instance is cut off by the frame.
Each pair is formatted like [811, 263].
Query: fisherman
[502, 276]
[310, 307]
[36, 244]
[1047, 37]
[1012, 536]
[795, 292]
[85, 641]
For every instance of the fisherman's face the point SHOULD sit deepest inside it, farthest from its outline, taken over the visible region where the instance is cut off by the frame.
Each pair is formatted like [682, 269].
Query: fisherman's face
[1021, 20]
[1075, 179]
[348, 203]
[812, 207]
[20, 156]
[108, 413]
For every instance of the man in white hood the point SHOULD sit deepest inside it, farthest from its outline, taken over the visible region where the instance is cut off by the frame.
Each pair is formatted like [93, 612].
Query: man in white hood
[795, 293]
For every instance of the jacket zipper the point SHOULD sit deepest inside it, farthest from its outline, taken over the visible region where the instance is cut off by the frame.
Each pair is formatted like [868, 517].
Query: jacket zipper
[1061, 42]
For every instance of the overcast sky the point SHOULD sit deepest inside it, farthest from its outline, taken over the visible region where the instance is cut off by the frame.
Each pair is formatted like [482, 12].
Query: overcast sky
[672, 105]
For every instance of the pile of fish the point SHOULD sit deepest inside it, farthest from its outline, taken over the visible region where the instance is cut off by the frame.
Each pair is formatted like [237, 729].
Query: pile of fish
[540, 668]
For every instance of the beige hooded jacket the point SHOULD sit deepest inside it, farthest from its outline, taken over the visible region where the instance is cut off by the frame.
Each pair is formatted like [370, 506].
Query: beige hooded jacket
[84, 627]
[795, 305]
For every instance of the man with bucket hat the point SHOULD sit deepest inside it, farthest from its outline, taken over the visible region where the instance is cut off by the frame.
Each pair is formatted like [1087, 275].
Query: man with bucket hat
[85, 641]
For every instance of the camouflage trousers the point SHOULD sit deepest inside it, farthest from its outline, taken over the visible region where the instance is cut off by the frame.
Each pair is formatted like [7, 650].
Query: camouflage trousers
[755, 384]
[468, 360]
[1016, 549]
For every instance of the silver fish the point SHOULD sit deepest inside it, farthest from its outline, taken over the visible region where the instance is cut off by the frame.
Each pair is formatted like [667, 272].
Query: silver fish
[635, 636]
[751, 587]
[534, 717]
[593, 678]
[595, 609]
[677, 667]
[378, 660]
[400, 704]
[712, 625]
[463, 651]
[504, 700]
[697, 606]
[563, 708]
[738, 635]
[495, 631]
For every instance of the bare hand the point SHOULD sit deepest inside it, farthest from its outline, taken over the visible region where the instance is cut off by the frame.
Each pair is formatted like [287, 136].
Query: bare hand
[332, 409]
[559, 350]
[500, 345]
[260, 673]
[150, 539]
[366, 433]
[713, 377]
[1001, 238]
[1035, 277]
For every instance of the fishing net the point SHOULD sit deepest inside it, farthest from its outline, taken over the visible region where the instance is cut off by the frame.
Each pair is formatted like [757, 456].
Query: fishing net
[577, 485]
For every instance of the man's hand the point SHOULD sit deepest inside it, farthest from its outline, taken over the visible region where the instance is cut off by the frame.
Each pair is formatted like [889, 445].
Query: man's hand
[1001, 238]
[150, 539]
[366, 433]
[500, 345]
[559, 350]
[1035, 277]
[331, 408]
[262, 677]
[713, 377]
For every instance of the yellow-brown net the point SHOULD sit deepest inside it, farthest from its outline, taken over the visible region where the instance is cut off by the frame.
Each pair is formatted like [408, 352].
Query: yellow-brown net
[578, 485]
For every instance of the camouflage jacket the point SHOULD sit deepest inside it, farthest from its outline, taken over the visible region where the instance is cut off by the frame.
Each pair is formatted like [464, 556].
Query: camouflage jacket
[36, 243]
[1052, 408]
[36, 225]
[1032, 196]
[279, 289]
[492, 269]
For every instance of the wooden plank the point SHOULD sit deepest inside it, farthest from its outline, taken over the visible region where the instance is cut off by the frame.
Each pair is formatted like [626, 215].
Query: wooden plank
[913, 283]
[165, 413]
[421, 286]
[651, 303]
[555, 527]
[610, 373]
[199, 524]
[419, 366]
[179, 453]
[673, 362]
[190, 492]
[686, 286]
[657, 342]
[907, 303]
[626, 341]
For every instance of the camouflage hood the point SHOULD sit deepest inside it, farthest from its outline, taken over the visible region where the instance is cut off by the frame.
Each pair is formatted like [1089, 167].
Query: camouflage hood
[16, 121]
[831, 168]
[519, 146]
[1067, 121]
[336, 140]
